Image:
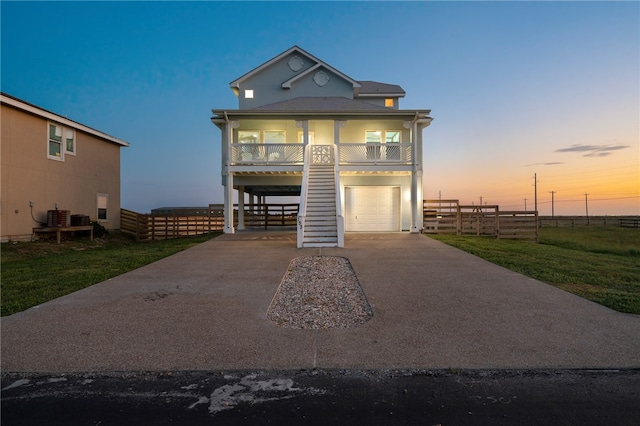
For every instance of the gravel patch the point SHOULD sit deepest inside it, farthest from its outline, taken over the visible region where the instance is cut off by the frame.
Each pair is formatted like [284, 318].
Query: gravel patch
[319, 292]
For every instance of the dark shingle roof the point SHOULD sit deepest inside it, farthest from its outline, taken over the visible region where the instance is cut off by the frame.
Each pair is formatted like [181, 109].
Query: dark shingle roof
[374, 87]
[320, 104]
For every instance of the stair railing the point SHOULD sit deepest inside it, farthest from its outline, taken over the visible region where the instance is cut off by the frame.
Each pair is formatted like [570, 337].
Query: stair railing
[302, 211]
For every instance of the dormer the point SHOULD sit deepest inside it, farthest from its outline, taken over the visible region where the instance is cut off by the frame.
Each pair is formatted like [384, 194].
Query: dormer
[380, 94]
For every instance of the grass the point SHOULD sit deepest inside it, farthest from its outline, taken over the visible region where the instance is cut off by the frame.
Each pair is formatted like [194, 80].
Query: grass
[598, 263]
[35, 272]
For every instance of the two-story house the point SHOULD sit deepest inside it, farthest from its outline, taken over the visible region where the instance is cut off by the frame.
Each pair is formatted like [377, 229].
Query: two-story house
[50, 162]
[343, 146]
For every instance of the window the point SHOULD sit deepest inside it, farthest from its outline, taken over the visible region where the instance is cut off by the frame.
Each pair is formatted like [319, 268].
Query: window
[274, 136]
[380, 151]
[55, 142]
[70, 138]
[248, 136]
[388, 102]
[103, 203]
[301, 137]
[392, 136]
[248, 93]
[373, 137]
[61, 141]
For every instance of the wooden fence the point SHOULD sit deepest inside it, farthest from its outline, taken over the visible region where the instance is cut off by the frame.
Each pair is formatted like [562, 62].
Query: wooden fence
[176, 224]
[571, 221]
[449, 217]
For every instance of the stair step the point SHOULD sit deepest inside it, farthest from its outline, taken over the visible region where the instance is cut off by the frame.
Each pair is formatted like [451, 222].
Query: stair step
[321, 240]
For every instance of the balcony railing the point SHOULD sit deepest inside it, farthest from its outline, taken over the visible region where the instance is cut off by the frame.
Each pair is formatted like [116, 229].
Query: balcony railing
[270, 153]
[348, 153]
[375, 153]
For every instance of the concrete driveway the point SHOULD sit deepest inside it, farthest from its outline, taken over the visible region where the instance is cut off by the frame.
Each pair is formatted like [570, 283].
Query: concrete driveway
[205, 309]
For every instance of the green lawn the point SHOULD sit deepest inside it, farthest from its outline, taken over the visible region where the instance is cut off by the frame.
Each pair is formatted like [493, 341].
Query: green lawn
[35, 272]
[601, 264]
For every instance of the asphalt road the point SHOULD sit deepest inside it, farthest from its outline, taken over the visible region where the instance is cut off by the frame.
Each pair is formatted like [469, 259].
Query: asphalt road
[320, 397]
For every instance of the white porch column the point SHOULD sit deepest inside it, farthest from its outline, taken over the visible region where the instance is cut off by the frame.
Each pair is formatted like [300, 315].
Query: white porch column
[240, 208]
[228, 205]
[228, 188]
[304, 125]
[416, 181]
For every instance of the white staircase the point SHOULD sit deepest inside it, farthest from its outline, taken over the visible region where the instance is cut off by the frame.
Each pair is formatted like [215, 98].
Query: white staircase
[321, 225]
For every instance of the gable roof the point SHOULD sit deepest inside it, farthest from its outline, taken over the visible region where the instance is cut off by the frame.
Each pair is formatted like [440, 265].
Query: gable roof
[41, 112]
[320, 104]
[235, 84]
[374, 88]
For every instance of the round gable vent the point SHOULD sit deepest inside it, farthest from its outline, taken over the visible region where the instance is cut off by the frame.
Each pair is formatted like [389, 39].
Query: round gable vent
[321, 78]
[295, 64]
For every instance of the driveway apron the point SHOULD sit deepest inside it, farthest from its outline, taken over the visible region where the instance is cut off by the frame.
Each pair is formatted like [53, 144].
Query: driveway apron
[205, 309]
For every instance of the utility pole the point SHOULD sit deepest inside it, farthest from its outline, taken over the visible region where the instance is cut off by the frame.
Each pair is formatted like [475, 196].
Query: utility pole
[586, 205]
[535, 191]
[552, 209]
[525, 204]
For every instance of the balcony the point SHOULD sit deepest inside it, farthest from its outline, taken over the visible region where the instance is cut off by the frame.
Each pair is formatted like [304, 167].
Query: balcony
[348, 153]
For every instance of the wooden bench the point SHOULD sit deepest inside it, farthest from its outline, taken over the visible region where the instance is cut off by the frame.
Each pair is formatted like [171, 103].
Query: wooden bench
[59, 230]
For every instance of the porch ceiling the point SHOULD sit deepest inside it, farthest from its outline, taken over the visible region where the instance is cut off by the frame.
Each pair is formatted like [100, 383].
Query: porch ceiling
[274, 190]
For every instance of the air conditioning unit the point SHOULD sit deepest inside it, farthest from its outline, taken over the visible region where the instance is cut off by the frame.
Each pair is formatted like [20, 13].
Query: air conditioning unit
[60, 218]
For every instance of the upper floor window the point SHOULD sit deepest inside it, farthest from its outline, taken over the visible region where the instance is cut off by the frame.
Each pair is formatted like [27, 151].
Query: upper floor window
[248, 136]
[379, 136]
[70, 139]
[248, 93]
[55, 142]
[392, 136]
[61, 141]
[388, 102]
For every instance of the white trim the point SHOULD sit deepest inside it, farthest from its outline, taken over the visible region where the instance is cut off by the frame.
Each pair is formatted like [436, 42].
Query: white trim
[287, 84]
[58, 119]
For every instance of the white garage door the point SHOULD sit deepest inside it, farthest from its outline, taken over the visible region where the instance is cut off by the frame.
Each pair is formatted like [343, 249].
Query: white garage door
[372, 208]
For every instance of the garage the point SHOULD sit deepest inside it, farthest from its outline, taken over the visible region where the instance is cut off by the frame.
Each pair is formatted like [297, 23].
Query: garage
[372, 208]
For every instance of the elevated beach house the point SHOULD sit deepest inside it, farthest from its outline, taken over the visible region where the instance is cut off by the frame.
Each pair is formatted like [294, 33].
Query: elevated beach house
[55, 170]
[344, 146]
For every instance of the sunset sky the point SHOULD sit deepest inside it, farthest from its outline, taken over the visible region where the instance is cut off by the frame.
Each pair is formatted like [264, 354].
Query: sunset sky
[515, 88]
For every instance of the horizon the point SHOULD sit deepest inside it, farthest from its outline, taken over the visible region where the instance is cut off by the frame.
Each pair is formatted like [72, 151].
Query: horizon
[516, 89]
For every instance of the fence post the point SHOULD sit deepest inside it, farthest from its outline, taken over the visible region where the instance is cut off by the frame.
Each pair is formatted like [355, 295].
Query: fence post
[458, 220]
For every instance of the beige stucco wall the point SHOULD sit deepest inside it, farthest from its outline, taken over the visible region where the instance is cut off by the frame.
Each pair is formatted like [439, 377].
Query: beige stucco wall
[29, 176]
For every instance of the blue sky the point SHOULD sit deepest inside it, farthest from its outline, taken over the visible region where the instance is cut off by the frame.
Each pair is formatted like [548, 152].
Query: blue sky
[515, 88]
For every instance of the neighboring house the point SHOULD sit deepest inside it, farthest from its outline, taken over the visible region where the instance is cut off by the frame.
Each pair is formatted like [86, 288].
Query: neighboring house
[50, 162]
[344, 146]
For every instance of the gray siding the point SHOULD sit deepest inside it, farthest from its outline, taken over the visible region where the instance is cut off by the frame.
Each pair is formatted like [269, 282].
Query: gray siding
[267, 84]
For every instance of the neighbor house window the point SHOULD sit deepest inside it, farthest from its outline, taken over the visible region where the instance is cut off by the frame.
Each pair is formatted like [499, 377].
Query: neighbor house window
[70, 140]
[55, 142]
[103, 204]
[388, 102]
[248, 93]
[61, 141]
